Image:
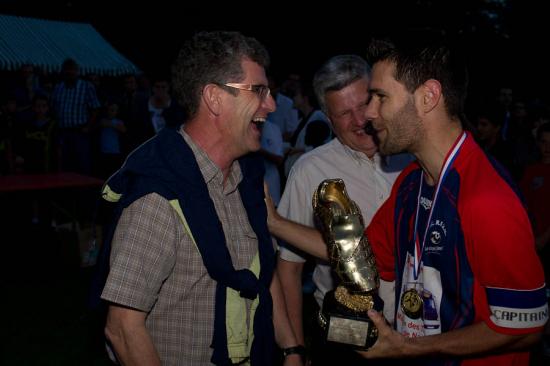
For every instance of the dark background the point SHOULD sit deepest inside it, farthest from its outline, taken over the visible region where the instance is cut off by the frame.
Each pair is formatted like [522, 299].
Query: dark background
[44, 290]
[505, 39]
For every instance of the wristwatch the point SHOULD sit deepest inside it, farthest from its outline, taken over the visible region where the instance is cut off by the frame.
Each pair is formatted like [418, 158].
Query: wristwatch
[299, 350]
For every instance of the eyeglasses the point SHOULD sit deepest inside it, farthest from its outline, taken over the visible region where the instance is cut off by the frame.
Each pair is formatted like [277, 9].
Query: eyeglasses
[262, 90]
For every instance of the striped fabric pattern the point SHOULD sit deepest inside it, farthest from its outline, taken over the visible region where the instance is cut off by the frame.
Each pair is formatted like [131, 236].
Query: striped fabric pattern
[72, 105]
[47, 43]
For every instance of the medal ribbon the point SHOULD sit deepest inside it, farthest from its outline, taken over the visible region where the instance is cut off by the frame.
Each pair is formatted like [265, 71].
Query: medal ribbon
[448, 162]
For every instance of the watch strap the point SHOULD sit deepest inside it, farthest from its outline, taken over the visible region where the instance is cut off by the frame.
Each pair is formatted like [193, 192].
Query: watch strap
[300, 350]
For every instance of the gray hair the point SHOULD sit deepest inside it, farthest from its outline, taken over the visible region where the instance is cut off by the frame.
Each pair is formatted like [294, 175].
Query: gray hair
[212, 57]
[337, 73]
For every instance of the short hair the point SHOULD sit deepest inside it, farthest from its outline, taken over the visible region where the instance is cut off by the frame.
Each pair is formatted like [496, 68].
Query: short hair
[422, 58]
[337, 73]
[212, 57]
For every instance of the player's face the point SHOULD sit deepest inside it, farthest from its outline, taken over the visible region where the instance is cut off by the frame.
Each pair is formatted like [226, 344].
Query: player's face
[392, 111]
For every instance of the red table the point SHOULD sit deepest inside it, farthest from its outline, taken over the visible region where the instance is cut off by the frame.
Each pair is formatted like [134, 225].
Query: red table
[49, 186]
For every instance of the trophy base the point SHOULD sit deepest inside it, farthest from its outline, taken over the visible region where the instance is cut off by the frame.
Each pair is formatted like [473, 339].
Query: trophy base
[346, 326]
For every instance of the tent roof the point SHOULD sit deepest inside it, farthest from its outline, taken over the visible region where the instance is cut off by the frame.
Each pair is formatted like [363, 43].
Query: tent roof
[47, 43]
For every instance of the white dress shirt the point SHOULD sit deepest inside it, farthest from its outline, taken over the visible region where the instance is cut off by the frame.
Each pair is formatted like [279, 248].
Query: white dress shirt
[368, 183]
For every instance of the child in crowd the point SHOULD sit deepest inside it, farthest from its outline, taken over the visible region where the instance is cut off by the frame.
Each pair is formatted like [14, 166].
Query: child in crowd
[38, 151]
[111, 129]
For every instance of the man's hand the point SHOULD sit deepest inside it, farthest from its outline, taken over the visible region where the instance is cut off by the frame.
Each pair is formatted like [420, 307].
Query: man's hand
[390, 344]
[302, 237]
[272, 214]
[475, 339]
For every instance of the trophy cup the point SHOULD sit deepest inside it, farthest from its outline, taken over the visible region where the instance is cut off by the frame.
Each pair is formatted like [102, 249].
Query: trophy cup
[344, 312]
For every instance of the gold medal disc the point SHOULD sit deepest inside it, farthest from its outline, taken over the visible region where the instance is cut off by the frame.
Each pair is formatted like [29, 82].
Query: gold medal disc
[412, 304]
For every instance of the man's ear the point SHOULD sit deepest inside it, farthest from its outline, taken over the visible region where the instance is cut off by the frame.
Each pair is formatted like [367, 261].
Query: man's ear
[212, 98]
[430, 95]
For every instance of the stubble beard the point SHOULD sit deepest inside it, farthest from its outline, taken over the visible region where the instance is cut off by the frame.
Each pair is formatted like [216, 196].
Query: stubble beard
[403, 129]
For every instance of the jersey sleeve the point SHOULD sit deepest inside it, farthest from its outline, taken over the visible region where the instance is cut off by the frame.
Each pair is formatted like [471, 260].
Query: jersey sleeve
[380, 234]
[510, 294]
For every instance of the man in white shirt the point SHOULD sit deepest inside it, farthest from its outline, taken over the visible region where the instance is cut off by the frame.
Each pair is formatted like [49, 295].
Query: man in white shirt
[341, 87]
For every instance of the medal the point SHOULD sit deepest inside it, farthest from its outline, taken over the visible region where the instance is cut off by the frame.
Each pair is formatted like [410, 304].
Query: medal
[447, 163]
[411, 303]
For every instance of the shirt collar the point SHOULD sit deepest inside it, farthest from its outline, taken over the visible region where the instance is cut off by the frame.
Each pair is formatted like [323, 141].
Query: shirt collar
[210, 171]
[360, 157]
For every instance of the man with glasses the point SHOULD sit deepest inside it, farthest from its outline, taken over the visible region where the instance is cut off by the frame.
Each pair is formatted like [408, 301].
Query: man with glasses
[192, 261]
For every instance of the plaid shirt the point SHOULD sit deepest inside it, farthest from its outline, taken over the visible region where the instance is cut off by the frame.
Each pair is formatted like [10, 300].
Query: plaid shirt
[72, 105]
[156, 268]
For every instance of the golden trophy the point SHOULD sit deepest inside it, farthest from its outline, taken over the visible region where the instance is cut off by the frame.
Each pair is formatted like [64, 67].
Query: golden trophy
[344, 312]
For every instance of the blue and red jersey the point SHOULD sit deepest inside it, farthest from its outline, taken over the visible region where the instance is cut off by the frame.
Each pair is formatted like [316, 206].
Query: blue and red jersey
[478, 263]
